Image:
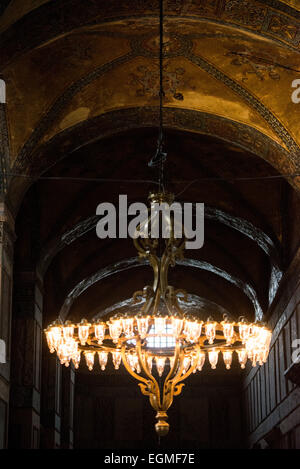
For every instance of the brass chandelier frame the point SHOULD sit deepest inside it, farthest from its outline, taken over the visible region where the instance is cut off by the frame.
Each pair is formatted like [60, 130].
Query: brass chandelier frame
[128, 337]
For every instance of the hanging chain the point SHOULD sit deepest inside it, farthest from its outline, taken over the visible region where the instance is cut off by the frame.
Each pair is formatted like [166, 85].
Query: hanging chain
[160, 156]
[161, 91]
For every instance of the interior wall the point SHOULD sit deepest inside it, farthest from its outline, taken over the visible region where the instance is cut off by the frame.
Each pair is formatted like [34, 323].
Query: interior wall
[7, 238]
[272, 400]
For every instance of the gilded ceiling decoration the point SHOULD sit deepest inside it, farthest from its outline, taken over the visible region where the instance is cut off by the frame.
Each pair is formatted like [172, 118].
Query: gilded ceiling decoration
[234, 60]
[258, 66]
[146, 82]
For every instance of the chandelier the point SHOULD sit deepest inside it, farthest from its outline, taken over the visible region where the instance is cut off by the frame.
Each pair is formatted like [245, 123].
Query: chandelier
[161, 346]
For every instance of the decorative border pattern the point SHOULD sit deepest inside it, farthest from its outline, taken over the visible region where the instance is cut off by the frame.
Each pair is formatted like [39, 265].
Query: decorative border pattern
[253, 102]
[75, 14]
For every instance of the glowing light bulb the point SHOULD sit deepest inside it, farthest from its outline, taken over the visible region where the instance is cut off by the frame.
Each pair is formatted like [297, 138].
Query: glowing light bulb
[193, 330]
[258, 343]
[160, 365]
[65, 350]
[254, 358]
[116, 356]
[255, 331]
[210, 331]
[115, 329]
[160, 325]
[142, 324]
[201, 360]
[136, 363]
[50, 342]
[186, 364]
[177, 325]
[83, 331]
[242, 354]
[252, 350]
[103, 356]
[227, 357]
[100, 332]
[128, 326]
[244, 330]
[265, 337]
[90, 358]
[55, 335]
[76, 359]
[213, 356]
[228, 330]
[250, 347]
[133, 361]
[61, 352]
[68, 330]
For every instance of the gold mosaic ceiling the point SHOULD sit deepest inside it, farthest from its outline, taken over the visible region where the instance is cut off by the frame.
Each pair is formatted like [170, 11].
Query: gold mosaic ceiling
[233, 60]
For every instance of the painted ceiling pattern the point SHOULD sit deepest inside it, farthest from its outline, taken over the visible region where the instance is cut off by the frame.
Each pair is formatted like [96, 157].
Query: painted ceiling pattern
[233, 59]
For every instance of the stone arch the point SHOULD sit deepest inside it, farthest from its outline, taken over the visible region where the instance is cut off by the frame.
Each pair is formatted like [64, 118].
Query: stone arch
[45, 156]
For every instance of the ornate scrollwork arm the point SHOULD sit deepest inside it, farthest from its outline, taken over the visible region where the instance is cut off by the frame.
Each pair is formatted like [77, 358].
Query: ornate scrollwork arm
[178, 389]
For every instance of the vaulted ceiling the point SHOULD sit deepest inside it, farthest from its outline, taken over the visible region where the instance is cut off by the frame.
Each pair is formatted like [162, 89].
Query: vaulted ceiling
[82, 102]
